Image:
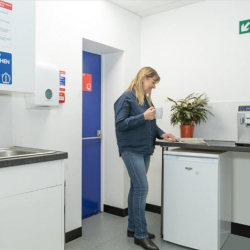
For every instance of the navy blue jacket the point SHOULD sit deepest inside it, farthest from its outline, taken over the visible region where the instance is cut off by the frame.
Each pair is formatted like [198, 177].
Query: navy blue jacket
[133, 132]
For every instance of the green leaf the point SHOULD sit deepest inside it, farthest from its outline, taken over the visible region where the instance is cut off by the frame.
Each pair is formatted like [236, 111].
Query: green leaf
[191, 110]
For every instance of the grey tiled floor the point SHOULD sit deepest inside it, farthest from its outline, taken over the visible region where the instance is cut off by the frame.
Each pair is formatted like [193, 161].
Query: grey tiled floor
[105, 231]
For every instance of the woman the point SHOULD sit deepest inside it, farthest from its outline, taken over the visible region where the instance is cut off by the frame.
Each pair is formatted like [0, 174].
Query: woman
[136, 131]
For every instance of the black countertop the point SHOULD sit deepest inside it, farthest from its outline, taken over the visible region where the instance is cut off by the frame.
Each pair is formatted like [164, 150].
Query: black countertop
[15, 161]
[209, 145]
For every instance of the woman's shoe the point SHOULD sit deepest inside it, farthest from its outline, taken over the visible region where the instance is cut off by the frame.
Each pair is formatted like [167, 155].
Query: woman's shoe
[131, 234]
[146, 243]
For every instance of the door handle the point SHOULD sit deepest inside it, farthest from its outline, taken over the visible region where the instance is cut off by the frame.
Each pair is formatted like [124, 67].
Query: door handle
[99, 136]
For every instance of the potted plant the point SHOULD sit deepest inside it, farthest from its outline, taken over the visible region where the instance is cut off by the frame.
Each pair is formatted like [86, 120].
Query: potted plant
[189, 112]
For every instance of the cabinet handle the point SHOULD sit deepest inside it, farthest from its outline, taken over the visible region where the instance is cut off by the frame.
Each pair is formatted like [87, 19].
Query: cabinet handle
[188, 168]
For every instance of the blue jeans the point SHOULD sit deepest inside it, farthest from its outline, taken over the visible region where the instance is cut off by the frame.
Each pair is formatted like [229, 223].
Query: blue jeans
[137, 166]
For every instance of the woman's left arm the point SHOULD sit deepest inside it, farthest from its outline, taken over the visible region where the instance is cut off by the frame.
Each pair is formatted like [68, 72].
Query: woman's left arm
[159, 132]
[162, 135]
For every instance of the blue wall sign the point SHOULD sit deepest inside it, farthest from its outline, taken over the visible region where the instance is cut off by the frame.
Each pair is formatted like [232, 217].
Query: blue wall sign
[5, 68]
[62, 75]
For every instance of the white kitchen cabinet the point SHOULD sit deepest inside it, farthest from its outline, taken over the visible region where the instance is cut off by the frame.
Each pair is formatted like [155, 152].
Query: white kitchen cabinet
[197, 198]
[32, 206]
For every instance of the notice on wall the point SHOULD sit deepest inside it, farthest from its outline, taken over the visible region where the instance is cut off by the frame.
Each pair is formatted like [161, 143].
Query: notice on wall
[245, 26]
[86, 82]
[5, 68]
[62, 76]
[6, 23]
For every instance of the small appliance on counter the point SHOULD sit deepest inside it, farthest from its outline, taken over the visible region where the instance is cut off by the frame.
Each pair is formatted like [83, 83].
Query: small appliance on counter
[243, 124]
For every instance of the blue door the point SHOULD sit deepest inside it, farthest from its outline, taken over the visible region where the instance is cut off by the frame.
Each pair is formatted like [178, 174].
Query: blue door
[91, 143]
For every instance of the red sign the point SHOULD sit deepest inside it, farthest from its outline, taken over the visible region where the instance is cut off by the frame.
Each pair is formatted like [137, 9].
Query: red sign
[61, 97]
[5, 5]
[86, 82]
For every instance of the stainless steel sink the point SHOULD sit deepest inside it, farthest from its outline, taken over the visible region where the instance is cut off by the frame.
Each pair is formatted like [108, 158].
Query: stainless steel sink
[22, 152]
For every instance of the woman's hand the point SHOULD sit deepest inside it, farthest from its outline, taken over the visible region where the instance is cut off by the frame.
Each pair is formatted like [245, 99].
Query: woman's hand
[169, 137]
[149, 114]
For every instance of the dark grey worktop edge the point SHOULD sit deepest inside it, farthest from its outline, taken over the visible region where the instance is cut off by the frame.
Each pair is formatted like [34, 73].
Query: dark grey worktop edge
[227, 147]
[32, 159]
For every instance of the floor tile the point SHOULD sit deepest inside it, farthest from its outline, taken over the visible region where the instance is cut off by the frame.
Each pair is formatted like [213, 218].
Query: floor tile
[106, 231]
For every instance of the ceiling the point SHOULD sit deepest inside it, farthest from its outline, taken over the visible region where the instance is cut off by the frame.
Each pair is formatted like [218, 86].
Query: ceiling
[144, 8]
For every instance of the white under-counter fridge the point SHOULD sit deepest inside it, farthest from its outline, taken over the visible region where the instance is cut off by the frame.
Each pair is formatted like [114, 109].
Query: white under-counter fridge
[197, 198]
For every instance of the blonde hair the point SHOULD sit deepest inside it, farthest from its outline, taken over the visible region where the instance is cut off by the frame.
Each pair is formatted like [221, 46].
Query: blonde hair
[136, 84]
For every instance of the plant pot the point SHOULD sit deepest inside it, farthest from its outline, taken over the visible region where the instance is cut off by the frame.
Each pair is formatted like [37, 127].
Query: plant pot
[187, 131]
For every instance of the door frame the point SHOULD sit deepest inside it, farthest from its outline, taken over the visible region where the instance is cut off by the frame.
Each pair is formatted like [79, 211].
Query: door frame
[102, 50]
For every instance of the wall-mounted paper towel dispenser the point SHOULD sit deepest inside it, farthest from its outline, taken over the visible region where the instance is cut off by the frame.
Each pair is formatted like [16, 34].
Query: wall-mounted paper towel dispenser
[46, 88]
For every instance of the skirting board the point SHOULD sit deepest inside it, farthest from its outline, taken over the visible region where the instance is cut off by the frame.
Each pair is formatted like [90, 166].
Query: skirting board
[115, 210]
[124, 212]
[153, 208]
[240, 230]
[237, 229]
[74, 234]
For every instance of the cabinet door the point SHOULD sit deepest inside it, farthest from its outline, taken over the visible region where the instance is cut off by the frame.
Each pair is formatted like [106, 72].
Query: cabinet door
[191, 203]
[32, 220]
[30, 177]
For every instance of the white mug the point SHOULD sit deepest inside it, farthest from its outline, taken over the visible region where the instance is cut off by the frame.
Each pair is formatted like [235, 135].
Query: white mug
[158, 113]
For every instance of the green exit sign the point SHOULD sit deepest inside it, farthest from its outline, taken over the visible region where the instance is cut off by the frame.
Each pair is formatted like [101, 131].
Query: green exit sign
[245, 26]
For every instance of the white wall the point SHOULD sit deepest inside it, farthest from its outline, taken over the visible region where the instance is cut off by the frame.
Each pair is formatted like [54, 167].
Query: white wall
[198, 48]
[61, 26]
[22, 49]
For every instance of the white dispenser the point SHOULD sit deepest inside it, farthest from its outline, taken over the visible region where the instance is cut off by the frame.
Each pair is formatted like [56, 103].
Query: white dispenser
[47, 88]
